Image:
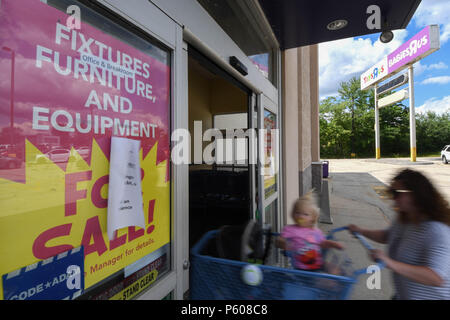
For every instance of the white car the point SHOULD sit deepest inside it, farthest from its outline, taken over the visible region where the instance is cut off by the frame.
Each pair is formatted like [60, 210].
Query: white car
[55, 155]
[445, 154]
[83, 151]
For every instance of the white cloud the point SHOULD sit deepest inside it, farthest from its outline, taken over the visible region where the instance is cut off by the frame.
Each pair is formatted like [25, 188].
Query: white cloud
[420, 68]
[341, 60]
[438, 106]
[437, 66]
[434, 12]
[437, 80]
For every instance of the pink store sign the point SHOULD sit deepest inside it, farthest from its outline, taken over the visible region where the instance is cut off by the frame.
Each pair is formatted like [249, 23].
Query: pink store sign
[64, 88]
[419, 46]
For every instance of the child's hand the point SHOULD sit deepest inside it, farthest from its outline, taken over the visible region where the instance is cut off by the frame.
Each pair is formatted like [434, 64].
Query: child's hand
[339, 246]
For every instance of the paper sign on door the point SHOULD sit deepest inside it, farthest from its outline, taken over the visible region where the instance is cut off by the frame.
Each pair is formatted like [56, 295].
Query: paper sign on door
[125, 206]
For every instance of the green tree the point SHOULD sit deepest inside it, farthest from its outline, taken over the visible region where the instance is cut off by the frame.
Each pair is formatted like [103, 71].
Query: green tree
[346, 122]
[347, 126]
[394, 130]
[357, 103]
[432, 131]
[334, 123]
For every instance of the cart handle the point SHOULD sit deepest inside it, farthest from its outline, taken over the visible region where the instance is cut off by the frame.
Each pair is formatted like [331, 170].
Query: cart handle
[364, 242]
[357, 235]
[361, 239]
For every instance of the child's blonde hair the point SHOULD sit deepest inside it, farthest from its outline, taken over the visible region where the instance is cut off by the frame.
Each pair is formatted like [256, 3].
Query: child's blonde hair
[309, 200]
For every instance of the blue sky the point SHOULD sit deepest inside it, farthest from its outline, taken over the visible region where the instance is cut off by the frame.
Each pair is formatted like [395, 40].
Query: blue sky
[341, 60]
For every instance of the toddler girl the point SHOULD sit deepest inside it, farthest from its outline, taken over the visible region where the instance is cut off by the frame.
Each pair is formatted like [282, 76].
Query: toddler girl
[303, 239]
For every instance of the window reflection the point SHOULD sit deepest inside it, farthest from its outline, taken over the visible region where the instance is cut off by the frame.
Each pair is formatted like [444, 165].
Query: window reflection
[238, 20]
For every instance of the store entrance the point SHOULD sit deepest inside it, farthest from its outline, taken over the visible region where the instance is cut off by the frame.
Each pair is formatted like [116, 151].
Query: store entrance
[219, 177]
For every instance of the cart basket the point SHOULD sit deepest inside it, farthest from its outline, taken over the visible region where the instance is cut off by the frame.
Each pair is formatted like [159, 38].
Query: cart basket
[220, 279]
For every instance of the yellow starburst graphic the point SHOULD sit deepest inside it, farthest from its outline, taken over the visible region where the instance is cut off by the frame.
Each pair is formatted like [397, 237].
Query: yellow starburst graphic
[56, 210]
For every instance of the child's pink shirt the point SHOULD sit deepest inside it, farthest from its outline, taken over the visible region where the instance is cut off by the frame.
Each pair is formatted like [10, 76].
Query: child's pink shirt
[305, 245]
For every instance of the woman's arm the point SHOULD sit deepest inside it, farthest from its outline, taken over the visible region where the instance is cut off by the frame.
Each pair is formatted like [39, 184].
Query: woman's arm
[420, 274]
[380, 236]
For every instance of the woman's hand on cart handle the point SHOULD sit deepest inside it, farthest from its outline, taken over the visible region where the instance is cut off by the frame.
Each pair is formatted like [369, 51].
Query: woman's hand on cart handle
[378, 256]
[380, 236]
[354, 228]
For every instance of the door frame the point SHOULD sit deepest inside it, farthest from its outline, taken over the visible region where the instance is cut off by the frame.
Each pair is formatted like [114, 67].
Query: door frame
[266, 104]
[149, 18]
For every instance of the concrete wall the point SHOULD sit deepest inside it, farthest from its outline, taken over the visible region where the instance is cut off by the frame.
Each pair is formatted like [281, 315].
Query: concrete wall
[290, 138]
[315, 129]
[301, 122]
[304, 119]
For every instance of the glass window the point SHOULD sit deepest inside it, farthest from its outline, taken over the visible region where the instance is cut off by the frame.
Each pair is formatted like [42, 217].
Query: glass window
[239, 22]
[64, 92]
[262, 62]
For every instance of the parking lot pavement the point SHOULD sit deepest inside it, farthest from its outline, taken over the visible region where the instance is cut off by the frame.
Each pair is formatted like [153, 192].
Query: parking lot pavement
[358, 196]
[385, 169]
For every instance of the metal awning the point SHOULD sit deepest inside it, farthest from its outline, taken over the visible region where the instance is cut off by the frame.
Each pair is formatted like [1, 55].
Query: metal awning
[298, 23]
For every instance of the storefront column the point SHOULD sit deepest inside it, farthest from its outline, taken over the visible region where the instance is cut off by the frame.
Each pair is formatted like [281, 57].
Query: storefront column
[304, 119]
[314, 85]
[300, 122]
[290, 132]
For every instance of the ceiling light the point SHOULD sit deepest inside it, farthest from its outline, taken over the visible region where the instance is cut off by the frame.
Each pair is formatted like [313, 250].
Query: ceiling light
[337, 24]
[386, 36]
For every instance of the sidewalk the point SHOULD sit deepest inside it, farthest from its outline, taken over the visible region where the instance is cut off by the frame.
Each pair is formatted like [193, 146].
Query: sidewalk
[357, 198]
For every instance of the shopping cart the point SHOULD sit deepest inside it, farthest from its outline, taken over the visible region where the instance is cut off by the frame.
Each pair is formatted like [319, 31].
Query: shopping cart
[220, 279]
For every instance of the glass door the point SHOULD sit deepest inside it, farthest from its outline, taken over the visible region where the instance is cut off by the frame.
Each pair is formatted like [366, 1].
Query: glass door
[268, 163]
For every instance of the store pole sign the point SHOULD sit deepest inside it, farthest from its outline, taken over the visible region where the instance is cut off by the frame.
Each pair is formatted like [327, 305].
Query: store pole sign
[393, 98]
[392, 84]
[125, 207]
[374, 74]
[56, 278]
[73, 90]
[418, 47]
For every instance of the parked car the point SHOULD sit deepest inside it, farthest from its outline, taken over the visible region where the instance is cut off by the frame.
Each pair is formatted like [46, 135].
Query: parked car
[3, 148]
[445, 154]
[7, 162]
[55, 155]
[83, 151]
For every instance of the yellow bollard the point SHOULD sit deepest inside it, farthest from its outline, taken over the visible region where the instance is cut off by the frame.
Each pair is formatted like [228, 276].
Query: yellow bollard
[413, 154]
